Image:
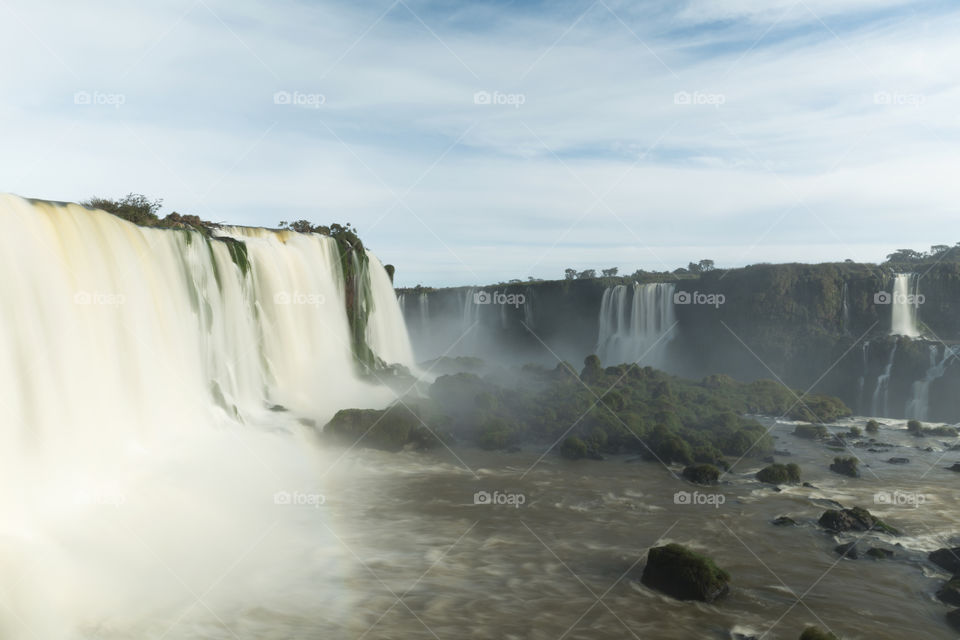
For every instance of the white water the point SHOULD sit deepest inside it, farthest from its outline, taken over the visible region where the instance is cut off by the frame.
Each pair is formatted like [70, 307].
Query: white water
[919, 404]
[636, 323]
[138, 457]
[903, 319]
[882, 391]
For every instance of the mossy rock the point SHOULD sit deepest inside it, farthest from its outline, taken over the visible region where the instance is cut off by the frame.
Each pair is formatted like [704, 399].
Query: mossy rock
[879, 553]
[855, 519]
[391, 429]
[784, 521]
[680, 573]
[950, 592]
[702, 474]
[948, 559]
[780, 474]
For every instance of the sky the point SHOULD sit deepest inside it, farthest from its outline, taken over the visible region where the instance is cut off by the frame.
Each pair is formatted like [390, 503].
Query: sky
[475, 142]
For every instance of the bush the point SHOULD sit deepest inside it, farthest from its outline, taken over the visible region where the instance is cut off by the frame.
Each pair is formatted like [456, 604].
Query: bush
[780, 474]
[811, 431]
[702, 474]
[872, 426]
[133, 207]
[846, 467]
[573, 448]
[915, 427]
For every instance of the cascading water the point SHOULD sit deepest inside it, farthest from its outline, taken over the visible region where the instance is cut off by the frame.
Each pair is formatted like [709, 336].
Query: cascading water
[141, 460]
[904, 305]
[919, 404]
[881, 392]
[636, 323]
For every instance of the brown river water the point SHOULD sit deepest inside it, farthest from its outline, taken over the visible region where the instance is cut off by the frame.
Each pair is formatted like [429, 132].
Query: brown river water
[384, 545]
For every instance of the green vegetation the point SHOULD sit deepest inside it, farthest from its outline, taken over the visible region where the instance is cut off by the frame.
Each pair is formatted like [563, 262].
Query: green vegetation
[702, 474]
[685, 575]
[811, 431]
[916, 428]
[845, 466]
[872, 426]
[391, 429]
[780, 474]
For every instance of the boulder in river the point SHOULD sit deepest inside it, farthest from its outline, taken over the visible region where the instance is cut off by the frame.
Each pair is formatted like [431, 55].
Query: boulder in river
[785, 521]
[950, 592]
[955, 467]
[953, 619]
[948, 559]
[847, 550]
[879, 553]
[685, 575]
[855, 519]
[814, 633]
[899, 460]
[702, 474]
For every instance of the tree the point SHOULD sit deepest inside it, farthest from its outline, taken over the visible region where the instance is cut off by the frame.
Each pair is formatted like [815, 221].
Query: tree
[705, 265]
[905, 255]
[610, 273]
[587, 274]
[134, 207]
[569, 274]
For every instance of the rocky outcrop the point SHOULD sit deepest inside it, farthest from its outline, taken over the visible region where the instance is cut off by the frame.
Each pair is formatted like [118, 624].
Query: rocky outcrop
[685, 575]
[855, 519]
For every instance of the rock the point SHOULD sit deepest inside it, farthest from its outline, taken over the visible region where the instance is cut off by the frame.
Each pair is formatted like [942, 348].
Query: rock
[953, 619]
[899, 460]
[685, 575]
[778, 452]
[785, 521]
[879, 553]
[808, 485]
[847, 550]
[954, 467]
[948, 559]
[813, 633]
[855, 519]
[702, 474]
[769, 459]
[950, 592]
[845, 466]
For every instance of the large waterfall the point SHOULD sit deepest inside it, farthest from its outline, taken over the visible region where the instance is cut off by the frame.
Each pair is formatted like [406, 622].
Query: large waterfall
[138, 370]
[636, 323]
[904, 304]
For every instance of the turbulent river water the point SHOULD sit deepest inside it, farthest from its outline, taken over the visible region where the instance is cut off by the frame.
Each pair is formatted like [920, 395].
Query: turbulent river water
[400, 546]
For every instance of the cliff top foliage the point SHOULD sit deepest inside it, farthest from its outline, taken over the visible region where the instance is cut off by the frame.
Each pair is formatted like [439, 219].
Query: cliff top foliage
[910, 260]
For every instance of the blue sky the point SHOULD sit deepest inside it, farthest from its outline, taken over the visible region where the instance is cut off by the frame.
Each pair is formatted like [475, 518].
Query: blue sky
[477, 142]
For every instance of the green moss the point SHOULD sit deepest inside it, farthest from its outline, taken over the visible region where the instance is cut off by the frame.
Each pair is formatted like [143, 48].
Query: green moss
[684, 574]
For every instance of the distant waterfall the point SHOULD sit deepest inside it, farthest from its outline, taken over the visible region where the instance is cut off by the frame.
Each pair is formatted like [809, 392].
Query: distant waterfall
[919, 404]
[845, 311]
[636, 323]
[881, 393]
[903, 319]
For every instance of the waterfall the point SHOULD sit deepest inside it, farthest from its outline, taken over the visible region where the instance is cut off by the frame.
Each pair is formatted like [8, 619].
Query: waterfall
[861, 382]
[919, 404]
[880, 406]
[845, 311]
[904, 304]
[138, 369]
[635, 322]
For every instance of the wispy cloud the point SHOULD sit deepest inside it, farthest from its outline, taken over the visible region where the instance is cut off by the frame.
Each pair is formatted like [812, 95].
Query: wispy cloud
[743, 131]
